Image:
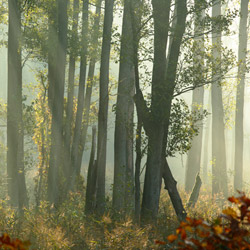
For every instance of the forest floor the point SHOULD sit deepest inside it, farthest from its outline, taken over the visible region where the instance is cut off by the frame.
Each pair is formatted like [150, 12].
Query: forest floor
[70, 228]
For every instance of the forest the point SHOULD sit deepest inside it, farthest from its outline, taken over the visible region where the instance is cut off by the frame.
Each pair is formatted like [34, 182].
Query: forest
[124, 124]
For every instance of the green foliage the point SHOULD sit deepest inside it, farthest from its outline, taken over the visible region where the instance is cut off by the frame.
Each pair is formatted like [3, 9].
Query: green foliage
[184, 125]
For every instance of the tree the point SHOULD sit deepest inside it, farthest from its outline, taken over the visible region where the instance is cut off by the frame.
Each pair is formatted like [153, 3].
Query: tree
[93, 54]
[80, 102]
[239, 114]
[219, 169]
[57, 103]
[15, 140]
[71, 81]
[123, 147]
[103, 106]
[194, 155]
[156, 118]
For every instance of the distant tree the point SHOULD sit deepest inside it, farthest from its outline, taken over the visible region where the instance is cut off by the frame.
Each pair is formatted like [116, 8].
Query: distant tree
[194, 154]
[103, 106]
[239, 115]
[15, 135]
[219, 168]
[73, 46]
[81, 92]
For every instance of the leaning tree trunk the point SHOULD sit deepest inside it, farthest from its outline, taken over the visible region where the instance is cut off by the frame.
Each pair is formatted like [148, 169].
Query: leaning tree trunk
[103, 106]
[194, 154]
[239, 114]
[58, 105]
[15, 165]
[123, 146]
[219, 169]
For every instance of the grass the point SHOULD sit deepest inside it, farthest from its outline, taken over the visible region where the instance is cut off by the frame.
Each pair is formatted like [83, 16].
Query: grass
[69, 228]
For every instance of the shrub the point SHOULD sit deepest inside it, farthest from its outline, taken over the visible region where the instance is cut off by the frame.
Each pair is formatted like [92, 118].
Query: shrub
[230, 230]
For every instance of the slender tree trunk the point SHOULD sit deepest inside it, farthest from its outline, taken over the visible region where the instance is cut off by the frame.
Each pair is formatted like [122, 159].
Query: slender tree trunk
[194, 154]
[123, 146]
[15, 165]
[90, 82]
[79, 114]
[219, 168]
[57, 105]
[103, 106]
[71, 81]
[239, 115]
[206, 142]
[91, 179]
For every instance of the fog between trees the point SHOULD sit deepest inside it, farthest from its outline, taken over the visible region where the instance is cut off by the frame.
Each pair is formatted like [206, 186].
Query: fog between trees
[122, 98]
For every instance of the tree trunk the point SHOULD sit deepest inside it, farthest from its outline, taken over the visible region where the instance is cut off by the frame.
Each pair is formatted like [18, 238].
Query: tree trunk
[15, 153]
[71, 81]
[171, 186]
[195, 192]
[163, 84]
[194, 154]
[206, 142]
[92, 176]
[219, 169]
[78, 123]
[56, 149]
[103, 106]
[90, 82]
[239, 115]
[123, 146]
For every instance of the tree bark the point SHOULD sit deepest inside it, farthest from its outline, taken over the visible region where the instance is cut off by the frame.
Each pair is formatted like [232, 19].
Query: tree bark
[103, 106]
[195, 192]
[56, 149]
[92, 176]
[71, 81]
[239, 114]
[79, 114]
[15, 153]
[123, 146]
[90, 82]
[219, 168]
[171, 186]
[163, 84]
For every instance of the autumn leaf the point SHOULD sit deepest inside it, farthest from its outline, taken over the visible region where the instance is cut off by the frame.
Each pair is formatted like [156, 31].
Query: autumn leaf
[171, 238]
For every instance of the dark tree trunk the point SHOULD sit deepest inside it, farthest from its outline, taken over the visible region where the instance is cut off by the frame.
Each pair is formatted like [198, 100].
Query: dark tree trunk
[171, 186]
[123, 146]
[103, 106]
[15, 153]
[239, 115]
[163, 84]
[79, 114]
[92, 176]
[195, 192]
[58, 105]
[219, 169]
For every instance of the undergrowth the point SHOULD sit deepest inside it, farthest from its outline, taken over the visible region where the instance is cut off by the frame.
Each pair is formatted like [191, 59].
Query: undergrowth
[69, 228]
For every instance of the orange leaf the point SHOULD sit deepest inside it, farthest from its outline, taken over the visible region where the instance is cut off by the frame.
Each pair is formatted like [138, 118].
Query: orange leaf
[171, 238]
